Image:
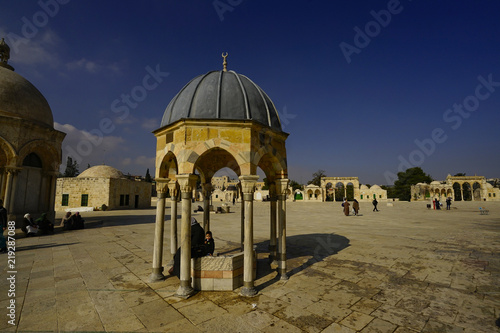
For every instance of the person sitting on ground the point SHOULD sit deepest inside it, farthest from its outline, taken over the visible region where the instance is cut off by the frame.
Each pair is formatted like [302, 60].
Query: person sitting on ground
[46, 227]
[77, 221]
[209, 244]
[29, 226]
[66, 221]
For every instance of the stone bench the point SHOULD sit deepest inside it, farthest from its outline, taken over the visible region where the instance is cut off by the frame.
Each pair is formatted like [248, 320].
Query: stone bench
[219, 273]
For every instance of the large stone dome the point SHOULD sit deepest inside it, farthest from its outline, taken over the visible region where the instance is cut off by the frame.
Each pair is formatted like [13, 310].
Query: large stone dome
[101, 171]
[20, 99]
[224, 95]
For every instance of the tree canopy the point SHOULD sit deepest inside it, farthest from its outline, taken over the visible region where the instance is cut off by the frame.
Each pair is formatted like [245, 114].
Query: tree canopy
[317, 177]
[148, 177]
[295, 185]
[71, 168]
[412, 176]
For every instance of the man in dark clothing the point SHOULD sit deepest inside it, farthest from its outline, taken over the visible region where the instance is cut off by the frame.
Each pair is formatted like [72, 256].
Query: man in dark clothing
[448, 203]
[197, 247]
[375, 203]
[209, 244]
[3, 223]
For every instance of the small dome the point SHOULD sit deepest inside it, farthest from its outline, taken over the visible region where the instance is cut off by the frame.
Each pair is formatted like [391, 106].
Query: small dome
[222, 95]
[363, 187]
[436, 182]
[375, 187]
[488, 185]
[101, 171]
[20, 99]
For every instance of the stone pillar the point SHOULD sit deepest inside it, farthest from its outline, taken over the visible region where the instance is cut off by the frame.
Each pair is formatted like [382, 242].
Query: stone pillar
[174, 191]
[462, 192]
[207, 192]
[242, 213]
[186, 182]
[281, 186]
[10, 193]
[345, 191]
[2, 184]
[8, 189]
[272, 222]
[157, 273]
[248, 188]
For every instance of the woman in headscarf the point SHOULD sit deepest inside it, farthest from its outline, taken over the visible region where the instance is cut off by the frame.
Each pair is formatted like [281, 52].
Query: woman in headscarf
[346, 207]
[45, 226]
[355, 206]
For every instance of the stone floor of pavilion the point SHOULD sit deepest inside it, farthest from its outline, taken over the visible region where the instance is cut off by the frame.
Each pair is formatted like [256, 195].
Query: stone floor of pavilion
[402, 269]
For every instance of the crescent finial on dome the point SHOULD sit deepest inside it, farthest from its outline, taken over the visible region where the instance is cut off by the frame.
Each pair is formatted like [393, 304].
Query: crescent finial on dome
[224, 55]
[5, 54]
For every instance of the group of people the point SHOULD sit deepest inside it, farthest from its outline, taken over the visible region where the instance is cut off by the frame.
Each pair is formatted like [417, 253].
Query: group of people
[202, 244]
[41, 225]
[437, 204]
[72, 221]
[355, 206]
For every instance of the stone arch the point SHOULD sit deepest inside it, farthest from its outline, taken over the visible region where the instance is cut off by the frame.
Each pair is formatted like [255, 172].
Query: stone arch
[214, 159]
[476, 191]
[168, 166]
[45, 152]
[272, 161]
[7, 153]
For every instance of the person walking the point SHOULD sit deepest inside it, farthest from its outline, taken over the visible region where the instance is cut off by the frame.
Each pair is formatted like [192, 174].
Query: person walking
[375, 203]
[448, 203]
[346, 207]
[355, 206]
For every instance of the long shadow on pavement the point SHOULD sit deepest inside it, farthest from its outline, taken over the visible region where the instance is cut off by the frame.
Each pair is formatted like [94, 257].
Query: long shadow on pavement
[315, 246]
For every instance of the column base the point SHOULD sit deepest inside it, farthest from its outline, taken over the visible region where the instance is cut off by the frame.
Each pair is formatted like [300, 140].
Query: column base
[157, 275]
[185, 292]
[248, 292]
[283, 275]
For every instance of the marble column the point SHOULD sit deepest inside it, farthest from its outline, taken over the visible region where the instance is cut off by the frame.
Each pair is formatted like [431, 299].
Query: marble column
[207, 193]
[186, 182]
[248, 187]
[174, 191]
[242, 214]
[462, 192]
[281, 186]
[272, 222]
[8, 189]
[157, 273]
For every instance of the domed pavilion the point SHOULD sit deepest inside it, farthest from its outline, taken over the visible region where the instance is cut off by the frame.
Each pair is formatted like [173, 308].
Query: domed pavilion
[220, 119]
[30, 147]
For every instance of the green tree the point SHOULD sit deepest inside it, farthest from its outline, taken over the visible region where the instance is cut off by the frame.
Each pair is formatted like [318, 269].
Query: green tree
[148, 177]
[295, 185]
[317, 177]
[412, 176]
[266, 184]
[460, 174]
[71, 168]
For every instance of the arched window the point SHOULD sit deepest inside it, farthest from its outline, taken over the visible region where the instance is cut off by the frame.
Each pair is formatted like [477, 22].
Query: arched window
[32, 160]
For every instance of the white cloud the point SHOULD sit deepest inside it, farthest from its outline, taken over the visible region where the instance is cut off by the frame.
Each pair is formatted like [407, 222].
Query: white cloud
[41, 49]
[150, 123]
[84, 64]
[89, 147]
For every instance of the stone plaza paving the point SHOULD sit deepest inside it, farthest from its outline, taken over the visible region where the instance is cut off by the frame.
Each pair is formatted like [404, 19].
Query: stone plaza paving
[403, 269]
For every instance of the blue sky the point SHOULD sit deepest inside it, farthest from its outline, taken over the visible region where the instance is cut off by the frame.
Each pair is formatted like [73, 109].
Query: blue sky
[363, 87]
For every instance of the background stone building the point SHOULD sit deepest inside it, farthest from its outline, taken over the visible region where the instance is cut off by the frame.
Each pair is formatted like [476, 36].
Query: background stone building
[102, 185]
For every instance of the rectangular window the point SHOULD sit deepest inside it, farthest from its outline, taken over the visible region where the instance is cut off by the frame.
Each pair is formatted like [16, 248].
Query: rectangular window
[122, 199]
[85, 200]
[65, 200]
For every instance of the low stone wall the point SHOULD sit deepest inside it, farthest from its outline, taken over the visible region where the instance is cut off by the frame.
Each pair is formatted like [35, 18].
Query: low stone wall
[219, 273]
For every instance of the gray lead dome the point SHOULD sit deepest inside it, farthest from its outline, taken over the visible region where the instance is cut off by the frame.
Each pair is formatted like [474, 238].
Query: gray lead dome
[222, 95]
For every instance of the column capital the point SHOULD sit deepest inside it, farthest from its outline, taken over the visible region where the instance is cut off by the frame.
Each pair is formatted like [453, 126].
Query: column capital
[282, 185]
[161, 185]
[173, 188]
[13, 170]
[248, 183]
[187, 182]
